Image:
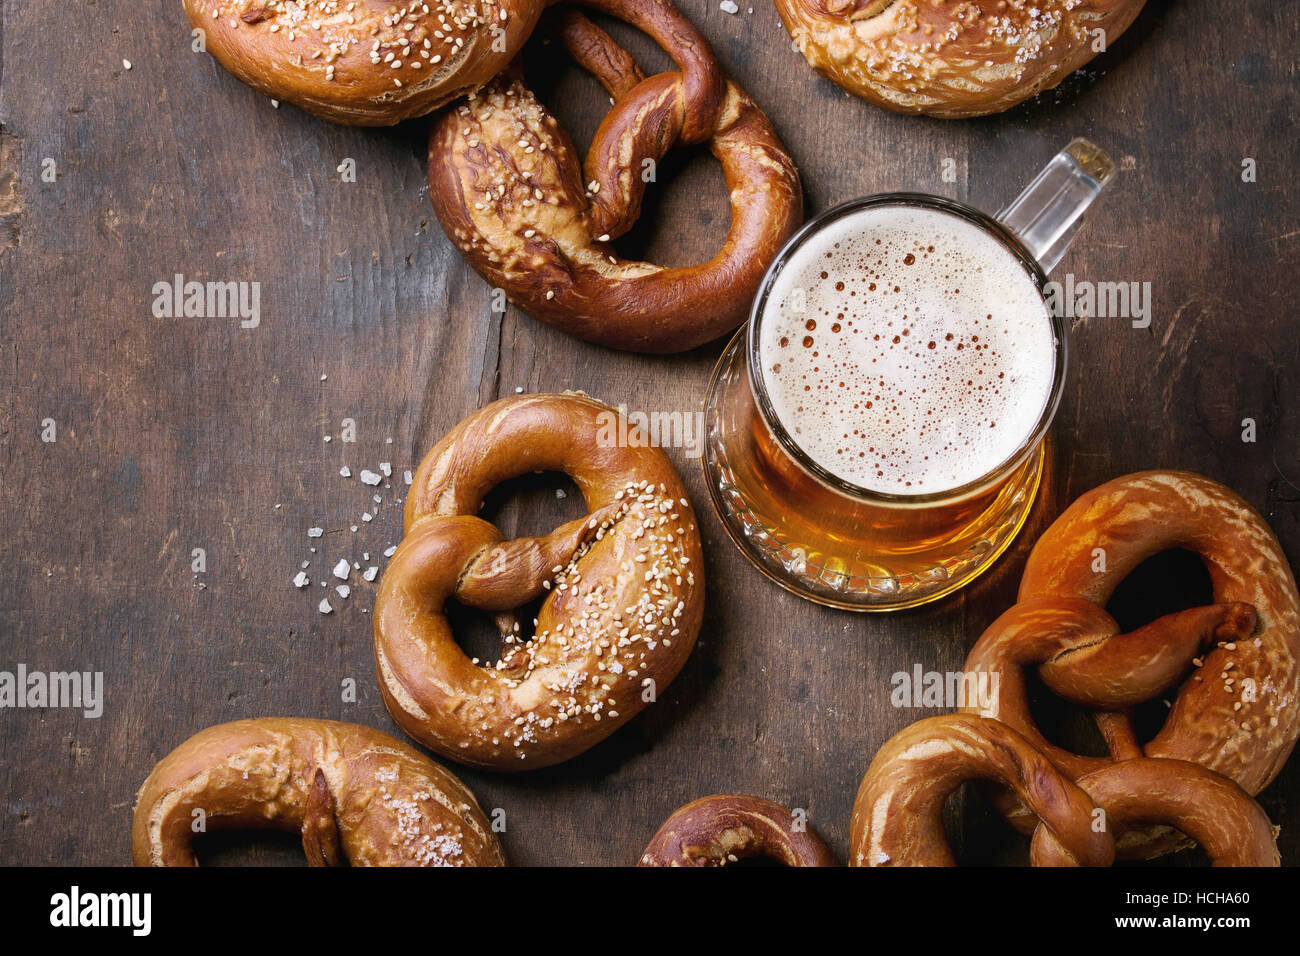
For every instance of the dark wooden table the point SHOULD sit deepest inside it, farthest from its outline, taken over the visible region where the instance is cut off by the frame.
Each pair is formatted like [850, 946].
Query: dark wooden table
[177, 434]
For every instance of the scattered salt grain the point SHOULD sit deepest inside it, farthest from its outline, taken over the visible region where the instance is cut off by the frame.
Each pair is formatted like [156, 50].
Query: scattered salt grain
[345, 471]
[315, 532]
[324, 606]
[342, 569]
[344, 591]
[368, 477]
[301, 580]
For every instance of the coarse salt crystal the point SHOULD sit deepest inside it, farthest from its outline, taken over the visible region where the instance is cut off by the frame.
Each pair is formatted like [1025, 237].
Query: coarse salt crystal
[342, 569]
[368, 477]
[301, 580]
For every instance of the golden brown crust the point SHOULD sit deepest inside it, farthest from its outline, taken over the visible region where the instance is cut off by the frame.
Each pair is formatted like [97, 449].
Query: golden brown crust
[365, 62]
[898, 813]
[1218, 815]
[725, 828]
[351, 791]
[626, 588]
[508, 188]
[952, 58]
[1238, 713]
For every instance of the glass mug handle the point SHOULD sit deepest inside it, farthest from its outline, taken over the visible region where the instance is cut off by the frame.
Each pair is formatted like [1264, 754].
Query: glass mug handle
[1046, 216]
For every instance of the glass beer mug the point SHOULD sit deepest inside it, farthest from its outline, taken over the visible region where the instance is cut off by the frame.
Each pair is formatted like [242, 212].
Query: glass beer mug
[875, 434]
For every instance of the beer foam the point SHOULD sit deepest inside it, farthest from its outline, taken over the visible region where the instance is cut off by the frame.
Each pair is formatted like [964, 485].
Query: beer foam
[906, 350]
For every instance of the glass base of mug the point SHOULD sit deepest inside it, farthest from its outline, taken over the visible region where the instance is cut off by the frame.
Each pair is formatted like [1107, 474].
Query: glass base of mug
[821, 545]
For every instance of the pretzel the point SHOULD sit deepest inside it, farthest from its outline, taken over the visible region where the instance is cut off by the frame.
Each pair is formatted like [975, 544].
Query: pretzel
[1236, 714]
[898, 813]
[947, 58]
[355, 794]
[507, 186]
[365, 62]
[1222, 818]
[625, 601]
[726, 828]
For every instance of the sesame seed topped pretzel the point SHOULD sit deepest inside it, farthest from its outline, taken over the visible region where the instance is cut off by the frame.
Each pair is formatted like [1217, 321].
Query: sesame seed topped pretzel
[365, 62]
[726, 828]
[508, 188]
[355, 794]
[625, 585]
[1234, 663]
[952, 58]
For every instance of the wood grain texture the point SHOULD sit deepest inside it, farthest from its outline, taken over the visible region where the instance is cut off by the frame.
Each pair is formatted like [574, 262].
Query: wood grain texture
[175, 434]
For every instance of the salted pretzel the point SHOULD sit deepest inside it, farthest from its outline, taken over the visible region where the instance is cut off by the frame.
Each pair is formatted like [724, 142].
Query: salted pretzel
[355, 794]
[1234, 663]
[365, 62]
[727, 828]
[952, 58]
[898, 813]
[624, 588]
[1223, 819]
[507, 186]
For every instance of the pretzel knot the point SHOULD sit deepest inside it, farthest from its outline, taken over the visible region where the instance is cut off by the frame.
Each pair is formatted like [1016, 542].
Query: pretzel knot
[623, 588]
[1223, 819]
[509, 190]
[898, 813]
[356, 795]
[727, 828]
[1234, 662]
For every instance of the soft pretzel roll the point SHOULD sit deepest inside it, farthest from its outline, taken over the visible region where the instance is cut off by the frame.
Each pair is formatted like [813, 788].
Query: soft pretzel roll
[365, 62]
[507, 186]
[355, 794]
[1223, 819]
[726, 828]
[898, 813]
[625, 601]
[951, 58]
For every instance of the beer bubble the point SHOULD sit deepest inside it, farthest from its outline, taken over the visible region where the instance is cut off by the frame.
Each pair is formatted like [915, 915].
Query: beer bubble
[878, 409]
